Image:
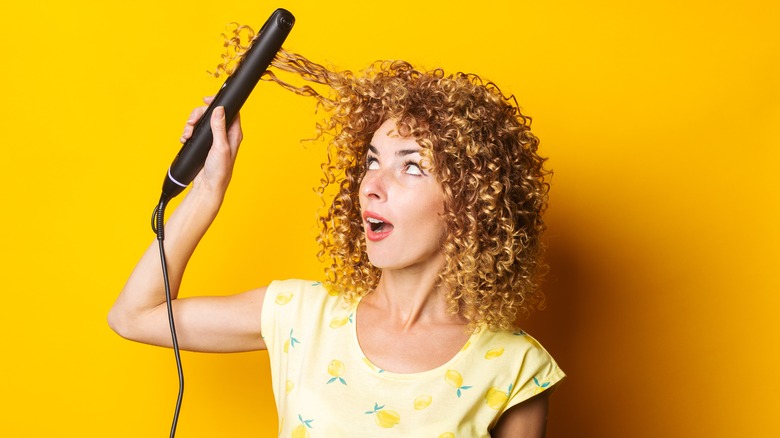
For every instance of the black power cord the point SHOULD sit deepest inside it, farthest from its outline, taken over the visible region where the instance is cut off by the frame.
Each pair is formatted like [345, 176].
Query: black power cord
[158, 220]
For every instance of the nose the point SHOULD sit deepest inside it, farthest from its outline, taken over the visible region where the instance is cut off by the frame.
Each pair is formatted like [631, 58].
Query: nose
[374, 185]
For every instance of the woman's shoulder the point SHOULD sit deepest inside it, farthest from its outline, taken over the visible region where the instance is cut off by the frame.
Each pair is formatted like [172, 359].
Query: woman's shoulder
[292, 286]
[299, 305]
[300, 294]
[516, 343]
[517, 357]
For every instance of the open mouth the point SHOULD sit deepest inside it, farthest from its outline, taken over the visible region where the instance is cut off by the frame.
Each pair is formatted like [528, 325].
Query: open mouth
[376, 227]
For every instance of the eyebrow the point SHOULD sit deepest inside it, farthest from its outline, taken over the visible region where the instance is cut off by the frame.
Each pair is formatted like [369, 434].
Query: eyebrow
[399, 153]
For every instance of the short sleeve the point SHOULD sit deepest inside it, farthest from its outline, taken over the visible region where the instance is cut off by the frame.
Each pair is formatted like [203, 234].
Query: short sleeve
[288, 304]
[269, 315]
[538, 373]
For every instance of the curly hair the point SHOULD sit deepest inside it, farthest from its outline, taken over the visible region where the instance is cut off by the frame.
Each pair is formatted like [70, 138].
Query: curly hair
[482, 152]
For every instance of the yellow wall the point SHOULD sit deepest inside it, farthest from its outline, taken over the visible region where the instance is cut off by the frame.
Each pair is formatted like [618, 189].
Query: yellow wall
[662, 121]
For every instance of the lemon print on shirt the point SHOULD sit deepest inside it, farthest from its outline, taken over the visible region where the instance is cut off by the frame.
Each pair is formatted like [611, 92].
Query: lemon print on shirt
[283, 298]
[302, 431]
[290, 342]
[340, 321]
[494, 353]
[454, 379]
[422, 402]
[497, 397]
[384, 417]
[540, 386]
[336, 368]
[447, 435]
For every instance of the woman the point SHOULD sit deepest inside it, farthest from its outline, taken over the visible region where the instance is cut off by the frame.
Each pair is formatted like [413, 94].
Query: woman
[433, 239]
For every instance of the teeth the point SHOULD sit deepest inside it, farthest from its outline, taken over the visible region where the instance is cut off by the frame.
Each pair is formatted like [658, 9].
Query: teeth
[375, 224]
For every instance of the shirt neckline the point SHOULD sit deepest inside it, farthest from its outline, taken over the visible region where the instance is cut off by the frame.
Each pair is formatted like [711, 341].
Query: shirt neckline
[369, 366]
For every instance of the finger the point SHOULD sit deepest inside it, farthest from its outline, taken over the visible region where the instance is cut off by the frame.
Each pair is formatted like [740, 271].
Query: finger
[217, 169]
[195, 115]
[221, 144]
[192, 120]
[234, 135]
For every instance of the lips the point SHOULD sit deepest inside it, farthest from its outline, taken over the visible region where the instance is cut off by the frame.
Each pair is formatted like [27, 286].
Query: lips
[377, 227]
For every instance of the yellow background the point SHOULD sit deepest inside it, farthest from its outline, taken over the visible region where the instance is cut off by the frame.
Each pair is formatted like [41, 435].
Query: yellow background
[661, 120]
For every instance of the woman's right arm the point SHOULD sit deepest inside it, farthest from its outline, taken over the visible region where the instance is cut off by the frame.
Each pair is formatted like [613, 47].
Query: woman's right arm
[214, 324]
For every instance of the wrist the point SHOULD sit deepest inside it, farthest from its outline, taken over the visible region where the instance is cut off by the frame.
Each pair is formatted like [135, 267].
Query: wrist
[197, 206]
[205, 196]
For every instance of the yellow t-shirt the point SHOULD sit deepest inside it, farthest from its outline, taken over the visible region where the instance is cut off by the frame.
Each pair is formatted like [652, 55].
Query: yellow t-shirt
[325, 387]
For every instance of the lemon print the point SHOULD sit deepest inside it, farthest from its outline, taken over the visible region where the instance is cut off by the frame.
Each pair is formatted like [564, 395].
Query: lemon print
[387, 419]
[494, 353]
[302, 431]
[496, 397]
[447, 435]
[540, 386]
[340, 321]
[422, 402]
[288, 387]
[384, 417]
[283, 298]
[454, 379]
[336, 368]
[290, 342]
[467, 345]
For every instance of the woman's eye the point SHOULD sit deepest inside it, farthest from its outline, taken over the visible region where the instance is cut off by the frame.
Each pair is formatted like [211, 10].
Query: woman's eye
[413, 169]
[372, 163]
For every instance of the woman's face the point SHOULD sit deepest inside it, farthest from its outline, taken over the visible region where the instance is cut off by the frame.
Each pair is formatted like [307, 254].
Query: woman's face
[401, 204]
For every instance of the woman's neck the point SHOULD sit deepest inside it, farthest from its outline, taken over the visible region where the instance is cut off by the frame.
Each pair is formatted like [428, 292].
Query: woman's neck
[412, 311]
[411, 297]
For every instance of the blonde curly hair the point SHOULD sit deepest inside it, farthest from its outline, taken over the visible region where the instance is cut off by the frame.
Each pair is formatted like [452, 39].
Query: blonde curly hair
[481, 151]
